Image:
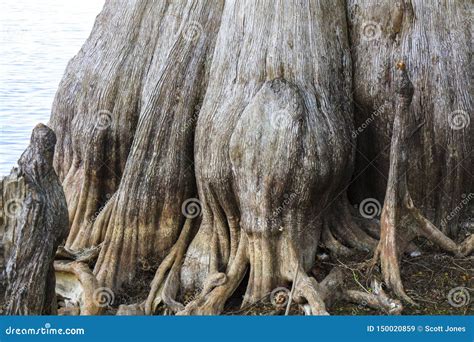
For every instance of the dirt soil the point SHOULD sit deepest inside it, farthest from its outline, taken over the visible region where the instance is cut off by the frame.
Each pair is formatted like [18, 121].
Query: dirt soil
[428, 279]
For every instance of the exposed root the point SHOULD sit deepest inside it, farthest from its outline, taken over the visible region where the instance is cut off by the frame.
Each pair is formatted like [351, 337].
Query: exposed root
[78, 288]
[347, 230]
[343, 233]
[377, 299]
[429, 231]
[318, 296]
[307, 289]
[372, 227]
[219, 286]
[467, 246]
[165, 284]
[331, 243]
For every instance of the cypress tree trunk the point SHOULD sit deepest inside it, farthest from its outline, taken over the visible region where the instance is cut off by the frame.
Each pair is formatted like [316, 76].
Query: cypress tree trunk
[216, 140]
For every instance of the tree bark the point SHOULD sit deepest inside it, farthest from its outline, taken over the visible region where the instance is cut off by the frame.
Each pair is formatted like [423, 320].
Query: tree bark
[35, 222]
[401, 221]
[141, 219]
[217, 140]
[434, 38]
[264, 122]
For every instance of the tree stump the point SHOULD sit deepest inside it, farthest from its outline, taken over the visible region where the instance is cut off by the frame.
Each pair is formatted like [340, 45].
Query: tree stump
[34, 222]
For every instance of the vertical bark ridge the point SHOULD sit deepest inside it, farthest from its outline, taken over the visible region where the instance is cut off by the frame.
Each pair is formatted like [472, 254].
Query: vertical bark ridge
[144, 218]
[96, 109]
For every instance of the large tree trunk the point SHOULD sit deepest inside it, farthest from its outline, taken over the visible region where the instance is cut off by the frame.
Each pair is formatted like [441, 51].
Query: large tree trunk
[271, 124]
[140, 219]
[217, 140]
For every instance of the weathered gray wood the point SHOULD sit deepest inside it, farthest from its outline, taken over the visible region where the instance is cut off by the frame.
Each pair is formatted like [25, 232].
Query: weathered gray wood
[434, 39]
[245, 109]
[401, 221]
[152, 91]
[273, 148]
[34, 228]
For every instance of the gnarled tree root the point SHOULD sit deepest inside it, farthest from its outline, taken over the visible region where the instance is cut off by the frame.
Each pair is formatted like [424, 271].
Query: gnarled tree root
[321, 295]
[79, 289]
[377, 299]
[343, 233]
[218, 287]
[165, 284]
[313, 297]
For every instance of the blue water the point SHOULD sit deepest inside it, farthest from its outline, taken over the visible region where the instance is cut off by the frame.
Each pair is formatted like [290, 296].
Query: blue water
[37, 39]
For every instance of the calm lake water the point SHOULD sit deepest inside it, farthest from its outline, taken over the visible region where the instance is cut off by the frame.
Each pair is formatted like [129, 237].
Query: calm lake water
[37, 39]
